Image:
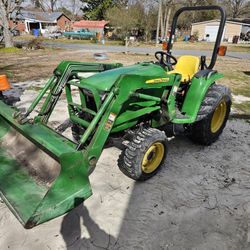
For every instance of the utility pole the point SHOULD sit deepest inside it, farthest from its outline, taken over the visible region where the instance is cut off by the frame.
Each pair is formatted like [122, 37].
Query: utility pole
[158, 23]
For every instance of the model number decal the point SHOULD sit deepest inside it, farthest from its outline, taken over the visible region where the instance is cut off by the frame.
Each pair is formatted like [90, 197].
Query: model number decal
[157, 80]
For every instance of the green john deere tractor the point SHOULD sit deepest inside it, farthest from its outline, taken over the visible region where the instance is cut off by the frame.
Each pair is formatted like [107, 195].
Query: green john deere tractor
[44, 174]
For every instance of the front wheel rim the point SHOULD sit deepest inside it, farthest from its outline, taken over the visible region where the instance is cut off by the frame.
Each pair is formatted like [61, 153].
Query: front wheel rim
[153, 157]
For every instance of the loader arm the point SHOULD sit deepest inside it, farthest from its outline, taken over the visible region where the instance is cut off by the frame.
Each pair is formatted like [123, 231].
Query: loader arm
[56, 84]
[43, 174]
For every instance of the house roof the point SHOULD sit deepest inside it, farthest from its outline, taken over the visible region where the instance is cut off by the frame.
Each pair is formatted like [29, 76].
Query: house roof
[90, 24]
[234, 21]
[241, 20]
[49, 17]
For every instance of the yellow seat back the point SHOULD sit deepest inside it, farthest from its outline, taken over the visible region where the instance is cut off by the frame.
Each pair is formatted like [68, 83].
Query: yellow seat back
[187, 66]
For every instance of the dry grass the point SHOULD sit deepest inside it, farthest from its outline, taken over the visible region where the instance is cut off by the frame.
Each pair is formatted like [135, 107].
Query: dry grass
[210, 46]
[66, 40]
[177, 45]
[237, 77]
[32, 65]
[237, 74]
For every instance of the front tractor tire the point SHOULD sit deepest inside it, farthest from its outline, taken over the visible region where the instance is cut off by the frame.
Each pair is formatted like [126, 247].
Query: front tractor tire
[144, 155]
[212, 116]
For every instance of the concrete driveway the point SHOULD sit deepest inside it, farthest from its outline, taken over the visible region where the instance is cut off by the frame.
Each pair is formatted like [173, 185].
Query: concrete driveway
[138, 50]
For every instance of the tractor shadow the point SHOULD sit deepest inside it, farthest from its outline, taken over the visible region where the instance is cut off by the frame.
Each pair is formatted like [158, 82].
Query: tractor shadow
[143, 215]
[71, 231]
[185, 206]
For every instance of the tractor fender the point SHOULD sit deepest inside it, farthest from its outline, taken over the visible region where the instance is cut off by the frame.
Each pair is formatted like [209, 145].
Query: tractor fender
[196, 93]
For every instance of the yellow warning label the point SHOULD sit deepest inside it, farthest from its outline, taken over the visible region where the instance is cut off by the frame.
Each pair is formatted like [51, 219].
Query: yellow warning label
[110, 121]
[157, 80]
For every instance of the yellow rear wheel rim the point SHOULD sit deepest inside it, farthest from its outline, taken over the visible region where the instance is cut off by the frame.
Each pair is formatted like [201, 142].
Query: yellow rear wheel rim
[218, 116]
[153, 157]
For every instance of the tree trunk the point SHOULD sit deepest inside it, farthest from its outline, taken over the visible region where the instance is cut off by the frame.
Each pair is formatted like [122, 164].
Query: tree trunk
[8, 41]
[158, 24]
[52, 5]
[162, 25]
[167, 23]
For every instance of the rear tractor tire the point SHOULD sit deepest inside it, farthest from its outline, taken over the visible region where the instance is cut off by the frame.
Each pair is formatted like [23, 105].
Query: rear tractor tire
[144, 155]
[212, 116]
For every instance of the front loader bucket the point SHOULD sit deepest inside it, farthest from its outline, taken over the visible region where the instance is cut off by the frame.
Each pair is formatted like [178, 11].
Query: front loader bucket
[42, 176]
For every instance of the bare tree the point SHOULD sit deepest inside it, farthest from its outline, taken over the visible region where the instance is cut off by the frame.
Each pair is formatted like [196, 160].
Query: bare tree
[238, 8]
[75, 6]
[45, 4]
[52, 4]
[36, 3]
[158, 22]
[167, 12]
[167, 22]
[164, 13]
[7, 7]
[148, 17]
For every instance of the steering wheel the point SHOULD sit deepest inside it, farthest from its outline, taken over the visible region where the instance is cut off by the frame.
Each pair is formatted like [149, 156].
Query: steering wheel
[165, 58]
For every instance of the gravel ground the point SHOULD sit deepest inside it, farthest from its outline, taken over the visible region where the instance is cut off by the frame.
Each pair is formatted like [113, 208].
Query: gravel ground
[199, 200]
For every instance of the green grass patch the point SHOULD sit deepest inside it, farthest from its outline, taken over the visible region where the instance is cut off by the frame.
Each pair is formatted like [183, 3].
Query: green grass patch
[238, 76]
[9, 74]
[239, 48]
[10, 50]
[242, 90]
[83, 41]
[239, 82]
[244, 107]
[69, 41]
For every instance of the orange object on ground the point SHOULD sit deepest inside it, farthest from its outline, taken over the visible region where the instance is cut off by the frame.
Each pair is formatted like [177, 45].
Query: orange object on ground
[4, 83]
[164, 45]
[222, 50]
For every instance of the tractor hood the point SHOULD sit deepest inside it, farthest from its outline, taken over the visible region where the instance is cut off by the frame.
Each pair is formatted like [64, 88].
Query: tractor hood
[105, 80]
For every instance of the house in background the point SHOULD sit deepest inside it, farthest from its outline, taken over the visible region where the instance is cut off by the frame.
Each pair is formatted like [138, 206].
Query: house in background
[27, 21]
[93, 26]
[207, 30]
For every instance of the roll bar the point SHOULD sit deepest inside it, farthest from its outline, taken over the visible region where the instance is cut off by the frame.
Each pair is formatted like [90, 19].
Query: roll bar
[219, 34]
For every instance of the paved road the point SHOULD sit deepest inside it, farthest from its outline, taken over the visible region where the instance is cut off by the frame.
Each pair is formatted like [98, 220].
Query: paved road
[139, 50]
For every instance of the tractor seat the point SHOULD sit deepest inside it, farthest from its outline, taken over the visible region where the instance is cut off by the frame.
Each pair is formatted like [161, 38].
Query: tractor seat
[187, 66]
